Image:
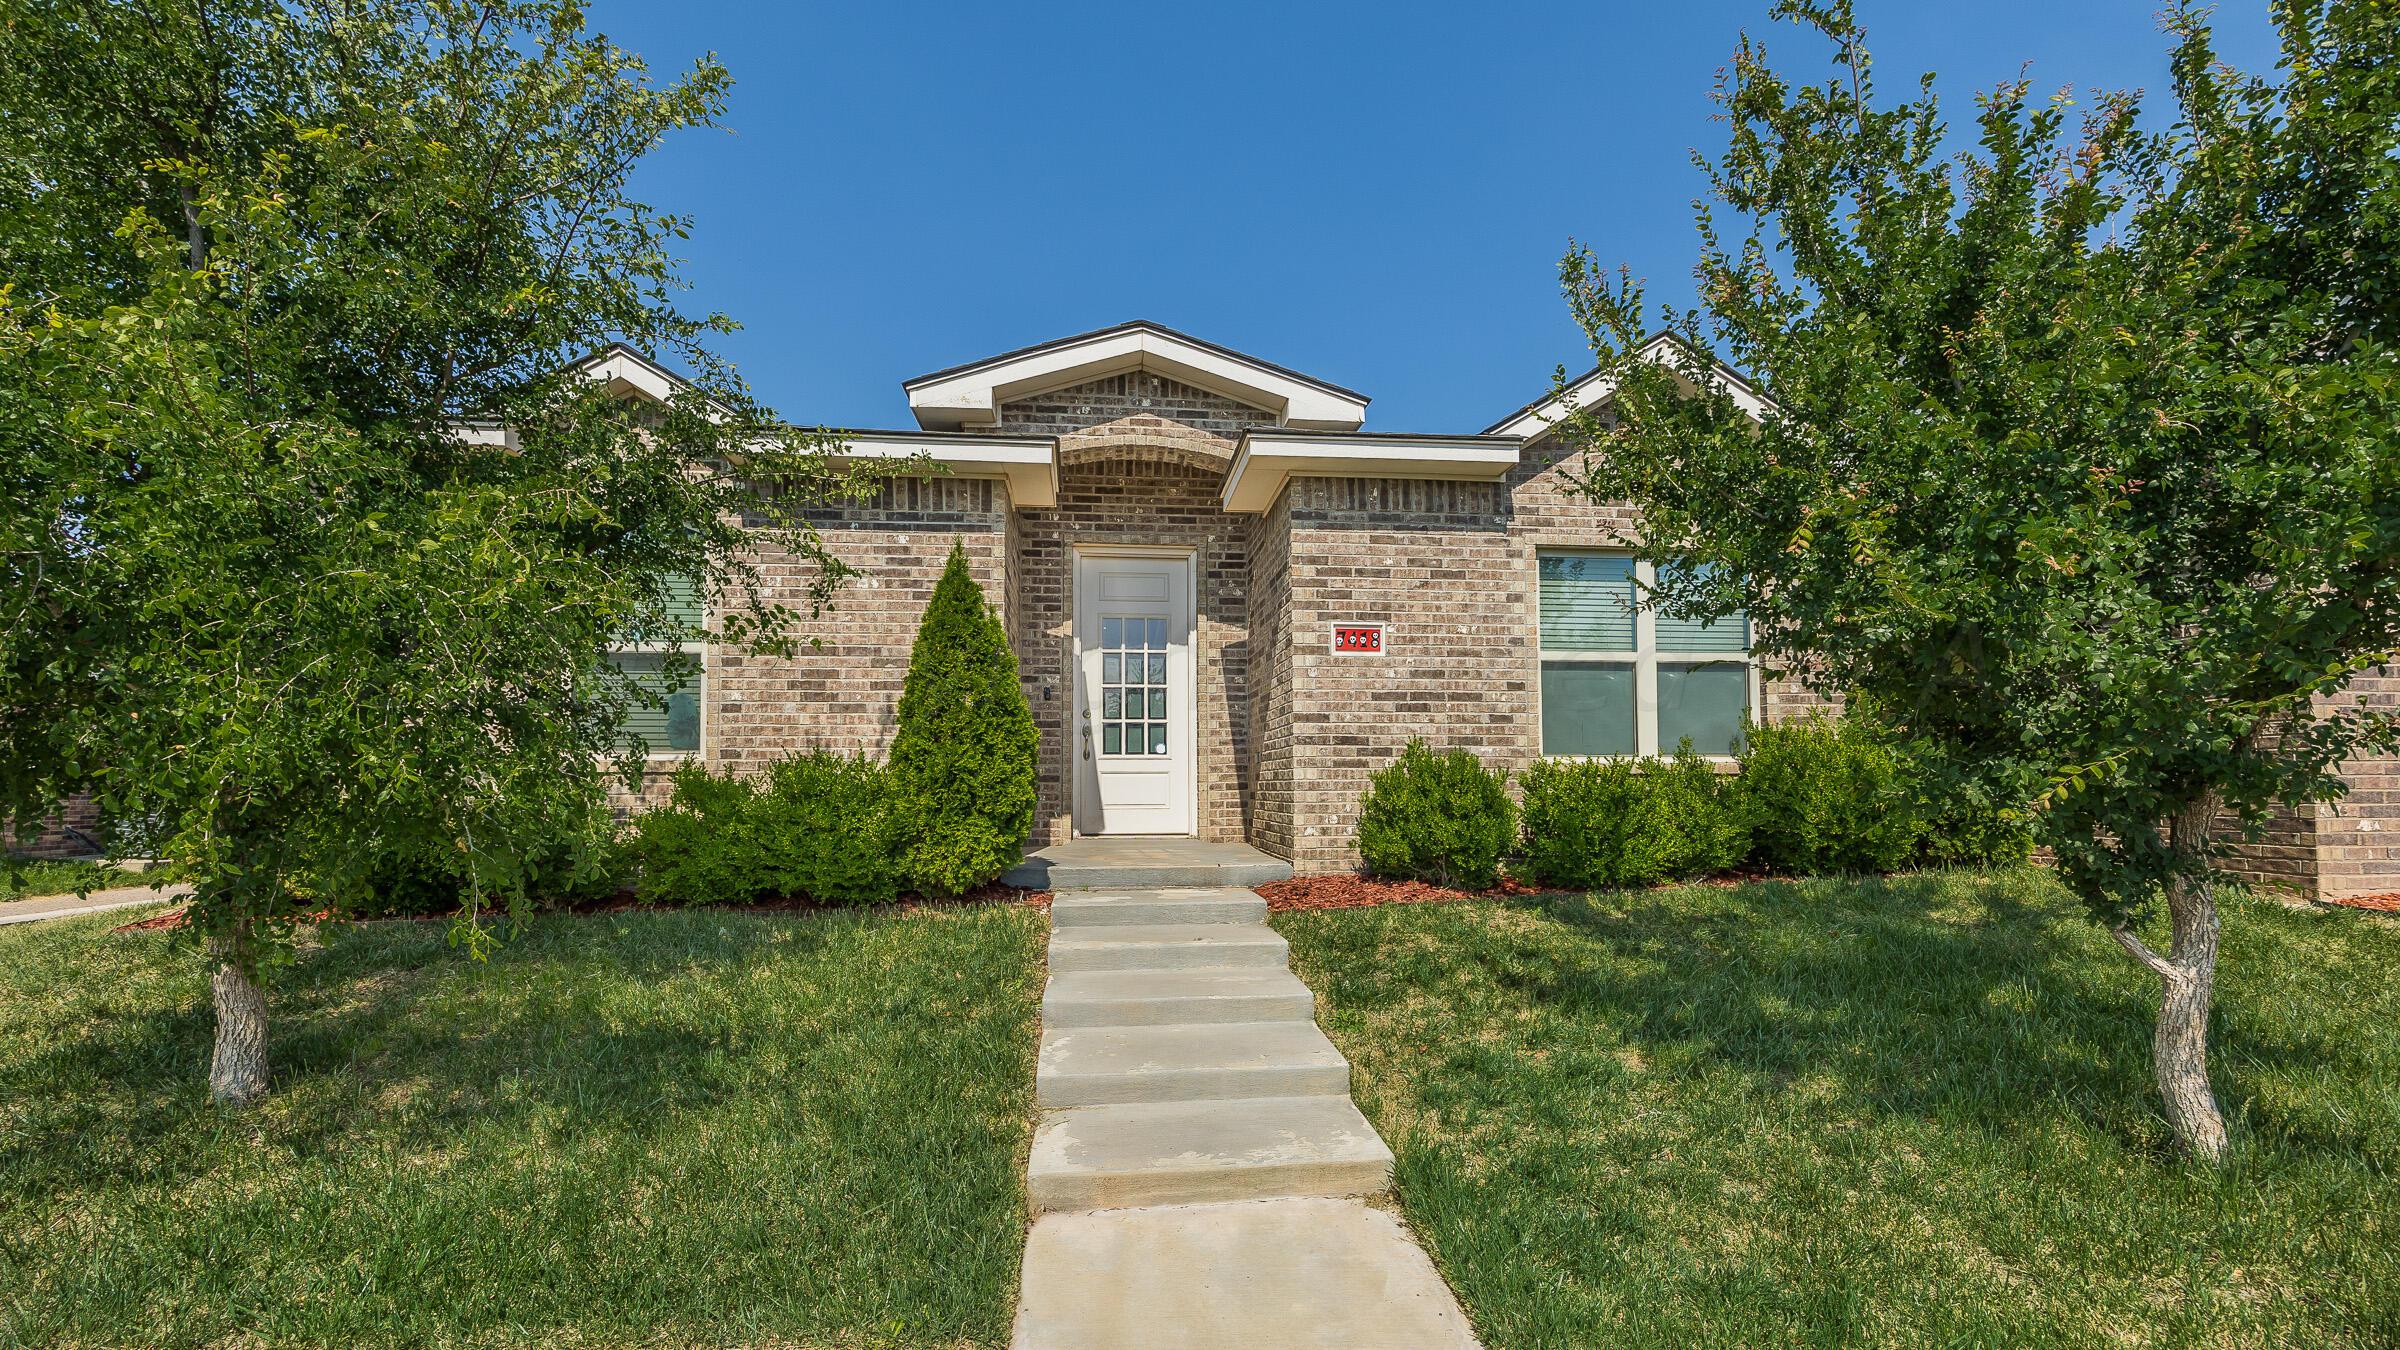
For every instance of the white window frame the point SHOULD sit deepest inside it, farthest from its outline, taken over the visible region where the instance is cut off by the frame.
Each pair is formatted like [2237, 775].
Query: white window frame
[1644, 658]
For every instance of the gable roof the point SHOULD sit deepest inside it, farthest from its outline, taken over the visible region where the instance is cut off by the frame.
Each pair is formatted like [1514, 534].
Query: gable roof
[971, 394]
[1592, 388]
[628, 371]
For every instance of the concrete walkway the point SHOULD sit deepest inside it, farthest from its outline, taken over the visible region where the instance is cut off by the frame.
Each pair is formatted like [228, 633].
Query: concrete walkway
[67, 906]
[1199, 1171]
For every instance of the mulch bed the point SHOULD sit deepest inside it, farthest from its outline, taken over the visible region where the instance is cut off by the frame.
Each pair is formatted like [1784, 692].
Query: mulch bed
[628, 902]
[2382, 902]
[1346, 891]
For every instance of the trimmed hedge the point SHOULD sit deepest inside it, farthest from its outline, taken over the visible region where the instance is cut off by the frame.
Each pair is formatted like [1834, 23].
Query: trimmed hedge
[1439, 818]
[1624, 822]
[1813, 795]
[817, 825]
[1826, 794]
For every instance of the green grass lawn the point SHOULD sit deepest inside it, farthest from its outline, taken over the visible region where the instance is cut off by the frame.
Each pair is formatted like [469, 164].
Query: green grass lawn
[694, 1128]
[21, 879]
[1914, 1113]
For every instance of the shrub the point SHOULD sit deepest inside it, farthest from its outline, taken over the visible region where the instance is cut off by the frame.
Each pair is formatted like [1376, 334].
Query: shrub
[963, 756]
[698, 848]
[1630, 822]
[580, 862]
[1439, 818]
[821, 827]
[815, 825]
[1823, 794]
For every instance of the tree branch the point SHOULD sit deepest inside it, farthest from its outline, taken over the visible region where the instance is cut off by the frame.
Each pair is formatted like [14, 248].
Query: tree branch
[2140, 951]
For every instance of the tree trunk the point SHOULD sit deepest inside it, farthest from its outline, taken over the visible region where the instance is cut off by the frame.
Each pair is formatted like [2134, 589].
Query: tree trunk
[2188, 978]
[237, 1071]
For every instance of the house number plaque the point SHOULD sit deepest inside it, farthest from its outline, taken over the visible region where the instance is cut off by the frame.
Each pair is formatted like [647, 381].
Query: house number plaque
[1358, 639]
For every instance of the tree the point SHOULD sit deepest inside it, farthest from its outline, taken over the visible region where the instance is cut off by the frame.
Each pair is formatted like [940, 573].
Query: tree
[2077, 447]
[314, 528]
[962, 758]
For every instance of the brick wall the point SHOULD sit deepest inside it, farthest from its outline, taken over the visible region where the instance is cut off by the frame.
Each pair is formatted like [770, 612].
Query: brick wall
[2346, 847]
[1141, 461]
[73, 833]
[1435, 562]
[844, 694]
[1451, 567]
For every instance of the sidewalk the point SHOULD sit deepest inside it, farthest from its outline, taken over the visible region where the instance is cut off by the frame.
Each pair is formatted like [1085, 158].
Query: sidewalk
[62, 906]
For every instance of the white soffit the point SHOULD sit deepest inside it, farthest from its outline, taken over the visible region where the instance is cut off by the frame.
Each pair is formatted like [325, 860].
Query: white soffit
[1268, 458]
[1593, 388]
[971, 395]
[1028, 463]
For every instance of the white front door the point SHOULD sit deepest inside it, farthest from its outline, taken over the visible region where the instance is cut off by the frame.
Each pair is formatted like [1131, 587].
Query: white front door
[1134, 700]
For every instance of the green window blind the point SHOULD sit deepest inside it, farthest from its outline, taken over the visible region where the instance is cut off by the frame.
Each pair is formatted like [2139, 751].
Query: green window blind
[1587, 602]
[1726, 633]
[684, 601]
[676, 726]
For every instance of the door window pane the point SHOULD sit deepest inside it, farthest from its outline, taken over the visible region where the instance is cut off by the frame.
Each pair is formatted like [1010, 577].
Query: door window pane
[1587, 709]
[1112, 632]
[1158, 738]
[1111, 736]
[1158, 635]
[1112, 703]
[1158, 704]
[1158, 667]
[1704, 702]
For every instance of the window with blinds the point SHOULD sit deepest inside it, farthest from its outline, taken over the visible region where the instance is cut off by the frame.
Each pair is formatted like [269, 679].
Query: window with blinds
[1619, 678]
[666, 715]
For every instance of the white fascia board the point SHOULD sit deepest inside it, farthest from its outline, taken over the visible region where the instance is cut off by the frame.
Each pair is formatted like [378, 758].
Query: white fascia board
[1265, 461]
[973, 397]
[623, 372]
[1028, 463]
[1593, 390]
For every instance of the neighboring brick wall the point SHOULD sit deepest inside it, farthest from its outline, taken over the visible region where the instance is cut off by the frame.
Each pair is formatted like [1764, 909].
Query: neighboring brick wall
[2346, 847]
[73, 833]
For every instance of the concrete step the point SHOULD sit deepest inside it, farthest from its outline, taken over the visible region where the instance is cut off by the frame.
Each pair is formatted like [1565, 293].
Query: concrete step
[1149, 998]
[1096, 1066]
[1168, 946]
[1117, 907]
[1262, 1275]
[1140, 862]
[1188, 1153]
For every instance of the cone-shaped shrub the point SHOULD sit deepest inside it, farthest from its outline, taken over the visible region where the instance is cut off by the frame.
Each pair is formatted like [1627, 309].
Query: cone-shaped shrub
[962, 761]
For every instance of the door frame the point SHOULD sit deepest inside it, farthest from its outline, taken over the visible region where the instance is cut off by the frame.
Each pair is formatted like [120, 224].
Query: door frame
[1083, 795]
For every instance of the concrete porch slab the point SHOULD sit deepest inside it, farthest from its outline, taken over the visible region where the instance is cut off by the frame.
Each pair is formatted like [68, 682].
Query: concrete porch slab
[1145, 861]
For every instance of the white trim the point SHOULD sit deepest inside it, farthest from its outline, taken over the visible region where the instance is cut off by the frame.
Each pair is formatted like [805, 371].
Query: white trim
[971, 397]
[625, 371]
[1594, 389]
[1267, 459]
[1028, 463]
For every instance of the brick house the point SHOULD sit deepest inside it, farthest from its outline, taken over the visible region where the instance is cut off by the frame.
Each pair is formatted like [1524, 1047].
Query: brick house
[1230, 602]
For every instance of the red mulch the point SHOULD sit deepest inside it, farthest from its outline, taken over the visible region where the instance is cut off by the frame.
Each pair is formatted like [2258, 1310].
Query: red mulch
[2382, 902]
[622, 902]
[1347, 891]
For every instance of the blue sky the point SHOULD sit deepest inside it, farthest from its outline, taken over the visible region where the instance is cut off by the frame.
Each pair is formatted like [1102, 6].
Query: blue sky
[1375, 194]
